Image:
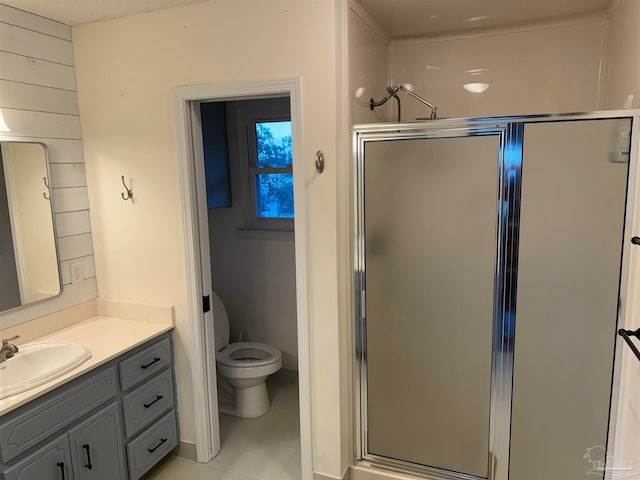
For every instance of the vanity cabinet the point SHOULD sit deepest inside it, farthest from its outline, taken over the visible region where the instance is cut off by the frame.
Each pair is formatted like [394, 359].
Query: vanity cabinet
[112, 423]
[53, 461]
[90, 451]
[96, 451]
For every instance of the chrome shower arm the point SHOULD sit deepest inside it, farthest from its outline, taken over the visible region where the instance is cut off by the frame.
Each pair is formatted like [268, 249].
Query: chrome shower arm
[434, 109]
[392, 91]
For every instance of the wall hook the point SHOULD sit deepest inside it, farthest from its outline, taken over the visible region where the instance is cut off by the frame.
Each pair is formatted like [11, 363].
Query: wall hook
[129, 194]
[320, 161]
[46, 184]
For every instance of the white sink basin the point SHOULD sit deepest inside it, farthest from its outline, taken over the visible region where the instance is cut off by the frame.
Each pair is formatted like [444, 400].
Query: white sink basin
[38, 363]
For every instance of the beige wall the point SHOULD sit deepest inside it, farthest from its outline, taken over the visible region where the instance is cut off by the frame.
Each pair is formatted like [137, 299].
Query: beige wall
[623, 55]
[368, 67]
[537, 70]
[126, 70]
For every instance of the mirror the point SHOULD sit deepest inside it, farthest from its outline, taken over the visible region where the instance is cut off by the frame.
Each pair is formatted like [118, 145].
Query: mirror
[28, 259]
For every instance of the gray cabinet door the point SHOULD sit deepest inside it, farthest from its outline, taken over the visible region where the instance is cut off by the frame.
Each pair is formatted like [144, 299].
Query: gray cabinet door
[51, 462]
[97, 451]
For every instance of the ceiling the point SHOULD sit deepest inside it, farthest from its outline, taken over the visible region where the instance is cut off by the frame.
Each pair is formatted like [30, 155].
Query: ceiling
[399, 18]
[75, 12]
[411, 18]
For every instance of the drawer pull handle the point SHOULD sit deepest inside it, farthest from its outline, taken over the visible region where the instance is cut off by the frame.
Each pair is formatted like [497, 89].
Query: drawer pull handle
[61, 467]
[86, 449]
[155, 359]
[151, 450]
[158, 398]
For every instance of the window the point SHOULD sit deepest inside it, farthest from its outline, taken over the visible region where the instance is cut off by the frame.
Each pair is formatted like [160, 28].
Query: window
[270, 170]
[263, 131]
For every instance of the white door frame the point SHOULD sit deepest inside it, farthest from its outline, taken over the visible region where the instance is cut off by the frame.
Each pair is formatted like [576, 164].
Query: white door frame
[196, 243]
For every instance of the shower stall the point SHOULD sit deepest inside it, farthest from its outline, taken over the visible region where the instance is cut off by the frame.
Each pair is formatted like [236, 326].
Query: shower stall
[490, 270]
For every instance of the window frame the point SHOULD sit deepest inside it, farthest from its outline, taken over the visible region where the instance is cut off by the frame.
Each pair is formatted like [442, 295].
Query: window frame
[253, 170]
[248, 115]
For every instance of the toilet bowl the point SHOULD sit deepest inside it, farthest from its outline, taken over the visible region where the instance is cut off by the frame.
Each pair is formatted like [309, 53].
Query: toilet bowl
[245, 366]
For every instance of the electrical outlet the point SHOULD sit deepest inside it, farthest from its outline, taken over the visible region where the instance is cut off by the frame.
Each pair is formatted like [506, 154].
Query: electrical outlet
[76, 273]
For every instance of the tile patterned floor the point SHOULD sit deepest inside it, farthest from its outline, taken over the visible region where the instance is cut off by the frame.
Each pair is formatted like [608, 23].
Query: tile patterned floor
[265, 448]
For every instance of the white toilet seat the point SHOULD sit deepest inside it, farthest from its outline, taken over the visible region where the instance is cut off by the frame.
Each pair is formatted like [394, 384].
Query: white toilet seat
[248, 354]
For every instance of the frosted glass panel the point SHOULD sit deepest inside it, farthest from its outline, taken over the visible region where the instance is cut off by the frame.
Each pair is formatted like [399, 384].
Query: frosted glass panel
[430, 222]
[573, 201]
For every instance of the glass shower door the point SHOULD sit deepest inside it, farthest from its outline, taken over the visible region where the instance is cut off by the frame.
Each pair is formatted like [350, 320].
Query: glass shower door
[492, 275]
[430, 223]
[574, 187]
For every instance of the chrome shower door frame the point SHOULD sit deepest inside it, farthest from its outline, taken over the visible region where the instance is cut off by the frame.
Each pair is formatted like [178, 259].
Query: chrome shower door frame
[509, 182]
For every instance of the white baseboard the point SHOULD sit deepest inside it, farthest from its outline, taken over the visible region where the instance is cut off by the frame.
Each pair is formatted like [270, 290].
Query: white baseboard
[365, 472]
[186, 450]
[345, 476]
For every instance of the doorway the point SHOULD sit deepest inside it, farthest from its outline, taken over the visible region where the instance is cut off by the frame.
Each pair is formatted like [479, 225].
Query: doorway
[247, 149]
[203, 337]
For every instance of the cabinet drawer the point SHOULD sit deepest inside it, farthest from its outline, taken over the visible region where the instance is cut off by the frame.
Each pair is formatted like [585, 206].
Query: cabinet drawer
[147, 403]
[51, 462]
[29, 426]
[144, 364]
[144, 451]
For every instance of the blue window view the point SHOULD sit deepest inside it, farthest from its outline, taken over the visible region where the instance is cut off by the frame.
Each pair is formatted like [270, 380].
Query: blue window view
[274, 188]
[274, 195]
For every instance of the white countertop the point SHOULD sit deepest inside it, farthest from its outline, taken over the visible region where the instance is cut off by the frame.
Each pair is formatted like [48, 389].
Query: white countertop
[105, 337]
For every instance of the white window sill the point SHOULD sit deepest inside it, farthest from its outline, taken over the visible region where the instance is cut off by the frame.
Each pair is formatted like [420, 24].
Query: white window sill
[256, 234]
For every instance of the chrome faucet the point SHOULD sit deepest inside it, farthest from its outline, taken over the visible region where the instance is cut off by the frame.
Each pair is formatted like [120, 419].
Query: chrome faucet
[8, 350]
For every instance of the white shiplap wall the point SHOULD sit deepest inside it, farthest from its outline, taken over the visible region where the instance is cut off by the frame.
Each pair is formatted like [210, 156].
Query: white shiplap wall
[39, 102]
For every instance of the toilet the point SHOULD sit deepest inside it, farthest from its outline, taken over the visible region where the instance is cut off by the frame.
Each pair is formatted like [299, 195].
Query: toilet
[244, 366]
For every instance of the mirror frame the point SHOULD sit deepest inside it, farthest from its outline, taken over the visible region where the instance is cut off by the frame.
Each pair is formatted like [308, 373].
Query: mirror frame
[53, 223]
